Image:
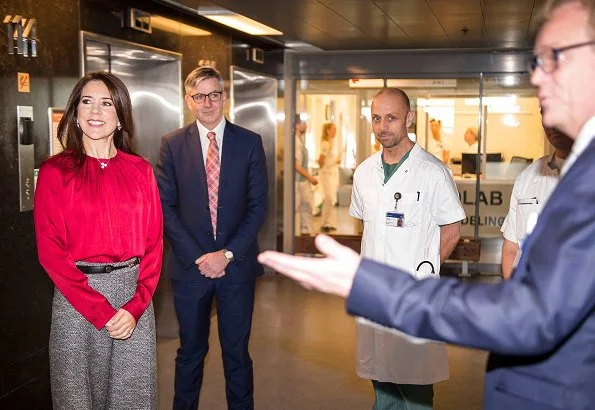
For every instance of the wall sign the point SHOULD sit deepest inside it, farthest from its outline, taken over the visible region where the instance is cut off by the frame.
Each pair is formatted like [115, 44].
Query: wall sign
[22, 35]
[24, 85]
[494, 201]
[54, 116]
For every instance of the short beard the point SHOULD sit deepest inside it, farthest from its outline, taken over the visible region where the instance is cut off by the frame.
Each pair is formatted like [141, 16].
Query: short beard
[397, 142]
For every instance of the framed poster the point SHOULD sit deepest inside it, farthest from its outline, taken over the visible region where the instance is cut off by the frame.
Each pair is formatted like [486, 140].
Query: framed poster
[54, 116]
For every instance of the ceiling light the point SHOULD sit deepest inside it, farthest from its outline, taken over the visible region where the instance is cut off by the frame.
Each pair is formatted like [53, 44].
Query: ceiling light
[237, 21]
[176, 27]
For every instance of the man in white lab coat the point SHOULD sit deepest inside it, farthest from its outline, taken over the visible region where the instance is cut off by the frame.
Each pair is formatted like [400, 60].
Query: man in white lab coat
[411, 211]
[531, 190]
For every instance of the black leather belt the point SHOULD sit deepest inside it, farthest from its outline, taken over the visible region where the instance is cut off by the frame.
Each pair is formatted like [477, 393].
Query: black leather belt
[107, 268]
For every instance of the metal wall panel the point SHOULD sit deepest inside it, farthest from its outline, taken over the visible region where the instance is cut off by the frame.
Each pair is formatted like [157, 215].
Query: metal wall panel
[333, 65]
[254, 106]
[153, 80]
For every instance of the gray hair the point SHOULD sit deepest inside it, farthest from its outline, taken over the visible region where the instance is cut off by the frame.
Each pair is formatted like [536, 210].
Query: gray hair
[551, 5]
[202, 73]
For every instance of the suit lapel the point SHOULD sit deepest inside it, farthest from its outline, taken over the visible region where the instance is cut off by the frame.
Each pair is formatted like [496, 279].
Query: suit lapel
[228, 155]
[195, 152]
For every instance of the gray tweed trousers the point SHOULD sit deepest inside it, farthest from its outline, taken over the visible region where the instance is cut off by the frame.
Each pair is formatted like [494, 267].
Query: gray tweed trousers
[91, 371]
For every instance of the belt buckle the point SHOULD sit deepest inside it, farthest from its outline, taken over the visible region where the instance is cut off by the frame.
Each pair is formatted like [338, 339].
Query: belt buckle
[109, 268]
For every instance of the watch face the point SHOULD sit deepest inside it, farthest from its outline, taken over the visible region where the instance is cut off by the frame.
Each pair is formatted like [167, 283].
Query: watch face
[229, 255]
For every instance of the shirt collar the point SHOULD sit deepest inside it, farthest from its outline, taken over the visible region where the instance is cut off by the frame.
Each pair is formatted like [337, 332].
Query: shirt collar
[553, 165]
[582, 141]
[412, 153]
[218, 130]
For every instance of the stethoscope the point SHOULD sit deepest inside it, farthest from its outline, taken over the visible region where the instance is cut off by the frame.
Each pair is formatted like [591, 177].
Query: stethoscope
[429, 263]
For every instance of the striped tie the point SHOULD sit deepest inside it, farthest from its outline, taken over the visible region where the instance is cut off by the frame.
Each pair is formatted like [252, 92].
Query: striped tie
[213, 166]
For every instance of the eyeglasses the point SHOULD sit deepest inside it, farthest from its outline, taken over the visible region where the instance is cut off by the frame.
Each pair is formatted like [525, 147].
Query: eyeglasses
[548, 60]
[213, 96]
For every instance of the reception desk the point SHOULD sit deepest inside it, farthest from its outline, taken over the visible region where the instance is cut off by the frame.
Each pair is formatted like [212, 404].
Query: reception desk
[494, 201]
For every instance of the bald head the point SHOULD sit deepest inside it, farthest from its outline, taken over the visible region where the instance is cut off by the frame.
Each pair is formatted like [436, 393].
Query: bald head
[395, 92]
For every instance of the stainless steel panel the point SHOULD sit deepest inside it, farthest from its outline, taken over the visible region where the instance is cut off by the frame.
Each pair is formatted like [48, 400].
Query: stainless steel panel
[153, 79]
[26, 156]
[333, 65]
[254, 106]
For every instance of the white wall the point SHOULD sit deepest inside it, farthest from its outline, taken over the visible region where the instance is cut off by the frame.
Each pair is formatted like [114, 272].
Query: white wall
[513, 127]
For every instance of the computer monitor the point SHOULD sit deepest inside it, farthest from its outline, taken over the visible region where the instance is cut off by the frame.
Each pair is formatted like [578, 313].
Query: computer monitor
[469, 161]
[494, 157]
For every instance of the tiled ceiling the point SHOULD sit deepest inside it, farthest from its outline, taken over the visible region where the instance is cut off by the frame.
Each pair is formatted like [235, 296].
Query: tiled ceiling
[393, 24]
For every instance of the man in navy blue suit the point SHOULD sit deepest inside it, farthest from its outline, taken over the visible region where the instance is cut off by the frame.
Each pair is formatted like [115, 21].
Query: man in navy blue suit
[212, 178]
[539, 325]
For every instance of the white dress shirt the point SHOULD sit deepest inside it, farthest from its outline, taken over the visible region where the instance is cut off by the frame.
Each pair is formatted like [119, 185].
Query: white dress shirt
[204, 140]
[582, 141]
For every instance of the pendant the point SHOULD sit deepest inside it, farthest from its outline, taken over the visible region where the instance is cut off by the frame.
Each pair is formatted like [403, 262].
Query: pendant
[103, 164]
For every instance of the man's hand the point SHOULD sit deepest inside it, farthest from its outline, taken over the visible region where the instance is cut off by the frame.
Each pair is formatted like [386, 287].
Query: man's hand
[121, 325]
[333, 274]
[313, 180]
[212, 265]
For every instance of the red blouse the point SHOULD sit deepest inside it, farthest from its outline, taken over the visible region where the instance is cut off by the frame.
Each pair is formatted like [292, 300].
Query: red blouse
[98, 215]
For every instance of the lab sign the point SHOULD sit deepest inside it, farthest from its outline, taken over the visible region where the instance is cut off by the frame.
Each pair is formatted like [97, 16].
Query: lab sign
[494, 201]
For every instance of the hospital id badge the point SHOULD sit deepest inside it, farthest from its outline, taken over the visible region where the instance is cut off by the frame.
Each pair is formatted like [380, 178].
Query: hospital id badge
[395, 219]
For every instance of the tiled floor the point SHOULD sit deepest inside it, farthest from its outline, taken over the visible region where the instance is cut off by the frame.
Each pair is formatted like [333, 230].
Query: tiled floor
[346, 224]
[303, 351]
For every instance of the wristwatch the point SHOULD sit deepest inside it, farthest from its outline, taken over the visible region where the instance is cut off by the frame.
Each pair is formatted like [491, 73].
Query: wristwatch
[228, 254]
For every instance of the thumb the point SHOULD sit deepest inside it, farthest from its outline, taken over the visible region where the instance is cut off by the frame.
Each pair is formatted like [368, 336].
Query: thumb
[329, 247]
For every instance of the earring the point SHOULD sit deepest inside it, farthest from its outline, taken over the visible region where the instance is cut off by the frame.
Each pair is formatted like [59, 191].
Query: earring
[119, 126]
[77, 123]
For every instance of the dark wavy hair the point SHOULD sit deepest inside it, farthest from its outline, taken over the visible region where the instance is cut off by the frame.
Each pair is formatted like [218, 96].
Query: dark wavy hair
[71, 136]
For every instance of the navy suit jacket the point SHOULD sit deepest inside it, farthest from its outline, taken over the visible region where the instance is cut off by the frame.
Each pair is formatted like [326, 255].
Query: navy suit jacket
[539, 325]
[243, 188]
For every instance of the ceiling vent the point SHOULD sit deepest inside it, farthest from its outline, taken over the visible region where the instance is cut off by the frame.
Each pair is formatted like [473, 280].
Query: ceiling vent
[138, 20]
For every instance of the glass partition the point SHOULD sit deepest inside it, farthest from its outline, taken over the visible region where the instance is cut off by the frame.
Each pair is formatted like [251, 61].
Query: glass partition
[452, 122]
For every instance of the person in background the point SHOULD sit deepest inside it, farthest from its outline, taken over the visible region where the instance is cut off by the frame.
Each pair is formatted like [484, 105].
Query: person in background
[212, 178]
[436, 143]
[99, 230]
[304, 180]
[376, 147]
[471, 140]
[411, 212]
[329, 176]
[531, 190]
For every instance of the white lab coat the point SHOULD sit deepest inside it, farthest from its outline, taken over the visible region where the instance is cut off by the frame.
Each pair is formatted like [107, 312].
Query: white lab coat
[303, 190]
[429, 199]
[437, 148]
[531, 190]
[329, 179]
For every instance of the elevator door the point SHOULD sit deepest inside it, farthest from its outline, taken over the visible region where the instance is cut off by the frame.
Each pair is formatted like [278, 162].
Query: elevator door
[153, 81]
[254, 106]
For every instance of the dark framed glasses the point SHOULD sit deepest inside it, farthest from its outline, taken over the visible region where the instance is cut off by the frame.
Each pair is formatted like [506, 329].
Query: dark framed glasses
[548, 60]
[213, 96]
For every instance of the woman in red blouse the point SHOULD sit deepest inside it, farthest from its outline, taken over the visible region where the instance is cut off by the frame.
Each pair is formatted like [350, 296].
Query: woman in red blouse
[99, 231]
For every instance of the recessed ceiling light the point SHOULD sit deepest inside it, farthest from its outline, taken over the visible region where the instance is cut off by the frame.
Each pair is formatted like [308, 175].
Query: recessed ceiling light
[237, 21]
[173, 26]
